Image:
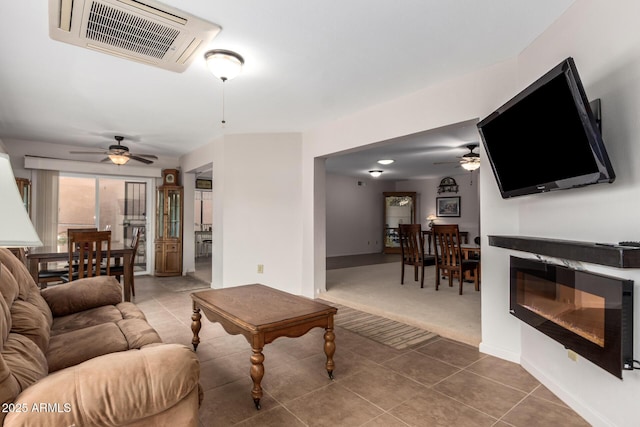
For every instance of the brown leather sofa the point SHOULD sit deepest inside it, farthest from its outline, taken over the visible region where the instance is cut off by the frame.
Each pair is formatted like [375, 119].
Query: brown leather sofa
[76, 355]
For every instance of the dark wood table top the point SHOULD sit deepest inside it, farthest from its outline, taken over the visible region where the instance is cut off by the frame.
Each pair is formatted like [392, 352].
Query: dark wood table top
[61, 252]
[258, 307]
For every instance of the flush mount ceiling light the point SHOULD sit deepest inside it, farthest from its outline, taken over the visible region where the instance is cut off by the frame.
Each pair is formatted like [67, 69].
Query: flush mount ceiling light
[386, 161]
[225, 65]
[375, 173]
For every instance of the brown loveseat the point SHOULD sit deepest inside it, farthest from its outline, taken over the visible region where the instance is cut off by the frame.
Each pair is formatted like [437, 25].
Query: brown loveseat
[76, 355]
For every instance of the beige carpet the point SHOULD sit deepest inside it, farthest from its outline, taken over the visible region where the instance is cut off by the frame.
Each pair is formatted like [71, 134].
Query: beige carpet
[380, 329]
[376, 289]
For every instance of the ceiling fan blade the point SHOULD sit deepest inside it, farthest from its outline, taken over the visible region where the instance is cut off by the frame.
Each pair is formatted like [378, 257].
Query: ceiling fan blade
[444, 163]
[140, 159]
[149, 156]
[87, 152]
[105, 160]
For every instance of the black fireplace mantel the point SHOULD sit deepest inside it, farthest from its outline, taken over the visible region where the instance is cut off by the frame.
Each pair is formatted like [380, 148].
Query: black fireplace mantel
[611, 255]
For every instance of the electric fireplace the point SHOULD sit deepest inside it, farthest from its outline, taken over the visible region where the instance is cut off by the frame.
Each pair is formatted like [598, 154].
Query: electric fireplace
[588, 313]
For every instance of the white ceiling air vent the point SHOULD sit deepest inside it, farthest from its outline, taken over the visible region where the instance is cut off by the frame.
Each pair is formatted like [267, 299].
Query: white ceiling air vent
[144, 31]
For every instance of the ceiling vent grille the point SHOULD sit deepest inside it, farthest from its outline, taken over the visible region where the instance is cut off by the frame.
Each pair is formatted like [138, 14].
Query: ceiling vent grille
[146, 31]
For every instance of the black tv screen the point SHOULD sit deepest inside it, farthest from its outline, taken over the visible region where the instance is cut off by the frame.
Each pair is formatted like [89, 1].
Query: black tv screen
[546, 137]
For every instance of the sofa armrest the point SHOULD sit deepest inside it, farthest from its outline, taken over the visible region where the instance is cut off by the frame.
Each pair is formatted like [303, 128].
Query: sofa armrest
[82, 294]
[110, 390]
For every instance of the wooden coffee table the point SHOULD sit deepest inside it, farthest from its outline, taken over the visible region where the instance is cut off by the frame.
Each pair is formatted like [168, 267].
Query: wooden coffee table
[262, 314]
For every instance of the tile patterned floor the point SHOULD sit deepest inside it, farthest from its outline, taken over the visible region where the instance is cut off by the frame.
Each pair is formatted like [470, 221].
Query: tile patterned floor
[443, 383]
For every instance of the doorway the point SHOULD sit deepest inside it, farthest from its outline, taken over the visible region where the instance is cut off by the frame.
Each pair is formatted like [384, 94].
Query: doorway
[355, 223]
[116, 203]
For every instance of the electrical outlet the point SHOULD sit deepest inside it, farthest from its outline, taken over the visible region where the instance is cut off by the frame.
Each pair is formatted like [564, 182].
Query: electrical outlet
[572, 355]
[260, 268]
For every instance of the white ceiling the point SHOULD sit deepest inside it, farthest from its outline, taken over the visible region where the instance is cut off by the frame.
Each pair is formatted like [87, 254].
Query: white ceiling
[306, 63]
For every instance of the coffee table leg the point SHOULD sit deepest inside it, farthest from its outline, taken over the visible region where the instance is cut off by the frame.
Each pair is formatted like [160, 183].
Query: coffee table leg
[257, 372]
[195, 327]
[329, 349]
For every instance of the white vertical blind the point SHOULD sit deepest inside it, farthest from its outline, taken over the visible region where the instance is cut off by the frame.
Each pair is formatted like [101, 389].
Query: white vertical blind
[46, 217]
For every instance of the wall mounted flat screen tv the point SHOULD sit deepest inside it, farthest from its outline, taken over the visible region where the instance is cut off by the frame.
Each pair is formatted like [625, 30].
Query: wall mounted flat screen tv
[546, 138]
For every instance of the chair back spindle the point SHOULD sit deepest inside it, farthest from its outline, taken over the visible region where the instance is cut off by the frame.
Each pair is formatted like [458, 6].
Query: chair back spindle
[449, 259]
[412, 250]
[89, 248]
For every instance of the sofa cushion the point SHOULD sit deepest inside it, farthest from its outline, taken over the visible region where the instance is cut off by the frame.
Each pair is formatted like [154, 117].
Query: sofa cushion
[8, 285]
[9, 386]
[5, 320]
[19, 285]
[83, 344]
[28, 321]
[22, 363]
[138, 332]
[29, 314]
[85, 319]
[25, 360]
[83, 294]
[130, 311]
[119, 389]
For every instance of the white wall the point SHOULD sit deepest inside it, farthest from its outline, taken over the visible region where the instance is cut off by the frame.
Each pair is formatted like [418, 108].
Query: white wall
[355, 215]
[468, 191]
[604, 40]
[605, 43]
[188, 182]
[466, 98]
[257, 210]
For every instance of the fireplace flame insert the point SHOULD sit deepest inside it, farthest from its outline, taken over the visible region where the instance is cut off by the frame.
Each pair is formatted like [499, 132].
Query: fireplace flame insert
[591, 314]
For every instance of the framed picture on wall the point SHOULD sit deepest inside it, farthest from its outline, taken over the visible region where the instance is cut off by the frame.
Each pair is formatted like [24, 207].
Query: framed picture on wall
[203, 184]
[448, 206]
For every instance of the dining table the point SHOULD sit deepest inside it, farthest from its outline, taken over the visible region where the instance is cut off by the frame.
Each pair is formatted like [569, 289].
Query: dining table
[44, 254]
[471, 251]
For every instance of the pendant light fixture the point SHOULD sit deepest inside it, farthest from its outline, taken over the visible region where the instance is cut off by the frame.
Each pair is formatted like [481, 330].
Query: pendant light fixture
[225, 65]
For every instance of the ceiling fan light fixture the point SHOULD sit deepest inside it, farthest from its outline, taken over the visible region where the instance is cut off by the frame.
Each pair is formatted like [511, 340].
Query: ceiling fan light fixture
[224, 64]
[118, 159]
[470, 165]
[375, 173]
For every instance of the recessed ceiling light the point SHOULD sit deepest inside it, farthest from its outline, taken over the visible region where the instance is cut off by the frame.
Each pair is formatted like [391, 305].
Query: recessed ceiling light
[386, 161]
[375, 173]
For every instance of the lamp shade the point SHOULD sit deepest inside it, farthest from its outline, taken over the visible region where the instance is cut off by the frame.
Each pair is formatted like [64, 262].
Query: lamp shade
[224, 64]
[16, 229]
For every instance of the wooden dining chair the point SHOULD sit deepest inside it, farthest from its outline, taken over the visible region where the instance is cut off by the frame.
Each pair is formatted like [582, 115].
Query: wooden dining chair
[53, 272]
[412, 250]
[118, 268]
[449, 257]
[86, 254]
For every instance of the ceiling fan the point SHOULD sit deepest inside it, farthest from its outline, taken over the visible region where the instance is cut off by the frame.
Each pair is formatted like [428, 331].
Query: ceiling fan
[469, 161]
[119, 154]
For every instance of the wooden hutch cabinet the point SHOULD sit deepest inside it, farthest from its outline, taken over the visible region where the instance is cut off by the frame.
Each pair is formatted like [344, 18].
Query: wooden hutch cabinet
[399, 208]
[24, 187]
[169, 224]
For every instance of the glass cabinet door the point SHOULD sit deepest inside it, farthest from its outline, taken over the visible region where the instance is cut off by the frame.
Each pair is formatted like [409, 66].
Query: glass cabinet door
[160, 214]
[399, 208]
[174, 205]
